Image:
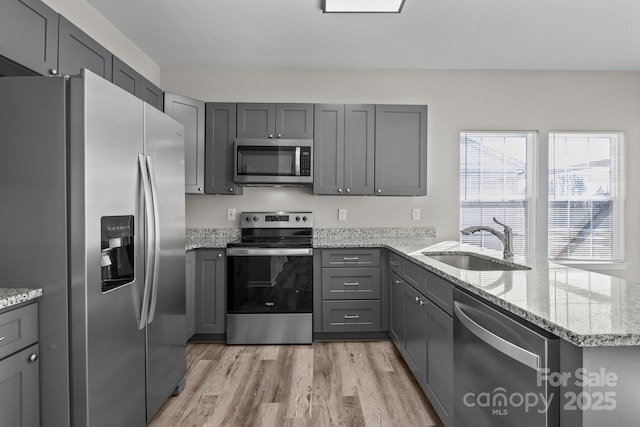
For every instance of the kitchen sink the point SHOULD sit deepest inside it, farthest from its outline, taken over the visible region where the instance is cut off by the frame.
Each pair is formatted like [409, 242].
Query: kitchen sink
[471, 261]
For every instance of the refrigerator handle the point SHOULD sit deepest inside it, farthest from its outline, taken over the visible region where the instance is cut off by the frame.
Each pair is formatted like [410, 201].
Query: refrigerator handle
[144, 176]
[156, 238]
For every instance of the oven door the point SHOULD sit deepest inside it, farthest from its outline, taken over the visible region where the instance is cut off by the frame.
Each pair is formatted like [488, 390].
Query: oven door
[261, 280]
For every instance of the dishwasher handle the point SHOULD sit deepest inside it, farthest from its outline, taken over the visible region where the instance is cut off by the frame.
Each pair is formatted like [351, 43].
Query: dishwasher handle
[515, 352]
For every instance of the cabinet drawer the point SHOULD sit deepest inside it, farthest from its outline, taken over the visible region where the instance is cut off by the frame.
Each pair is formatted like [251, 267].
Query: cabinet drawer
[440, 292]
[18, 329]
[350, 257]
[351, 283]
[350, 316]
[416, 276]
[395, 262]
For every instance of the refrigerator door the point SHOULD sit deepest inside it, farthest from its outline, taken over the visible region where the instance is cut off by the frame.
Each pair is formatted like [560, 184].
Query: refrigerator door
[108, 347]
[166, 346]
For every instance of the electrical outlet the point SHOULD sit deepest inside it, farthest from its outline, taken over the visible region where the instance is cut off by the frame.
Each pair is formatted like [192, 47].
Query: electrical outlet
[415, 214]
[231, 214]
[342, 214]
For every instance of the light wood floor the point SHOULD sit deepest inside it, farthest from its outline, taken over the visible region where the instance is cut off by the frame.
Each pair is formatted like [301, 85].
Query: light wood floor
[324, 384]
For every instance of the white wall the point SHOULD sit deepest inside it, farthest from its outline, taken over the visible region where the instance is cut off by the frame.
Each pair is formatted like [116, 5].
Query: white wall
[89, 20]
[457, 100]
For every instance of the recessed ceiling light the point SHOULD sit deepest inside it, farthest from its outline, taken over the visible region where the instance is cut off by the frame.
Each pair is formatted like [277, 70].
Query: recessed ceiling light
[363, 6]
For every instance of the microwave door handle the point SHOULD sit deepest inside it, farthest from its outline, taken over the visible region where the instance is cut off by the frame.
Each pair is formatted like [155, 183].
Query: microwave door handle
[297, 161]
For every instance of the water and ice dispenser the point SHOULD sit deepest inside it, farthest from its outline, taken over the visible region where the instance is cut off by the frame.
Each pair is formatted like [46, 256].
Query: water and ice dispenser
[117, 246]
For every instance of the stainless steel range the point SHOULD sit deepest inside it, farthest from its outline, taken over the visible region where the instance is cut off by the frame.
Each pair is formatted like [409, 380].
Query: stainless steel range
[270, 274]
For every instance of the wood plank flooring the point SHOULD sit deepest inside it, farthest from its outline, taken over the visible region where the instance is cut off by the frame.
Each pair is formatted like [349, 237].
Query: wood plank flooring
[324, 384]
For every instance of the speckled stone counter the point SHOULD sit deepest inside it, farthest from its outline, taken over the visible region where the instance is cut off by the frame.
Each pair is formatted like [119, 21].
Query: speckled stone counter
[15, 296]
[585, 308]
[210, 238]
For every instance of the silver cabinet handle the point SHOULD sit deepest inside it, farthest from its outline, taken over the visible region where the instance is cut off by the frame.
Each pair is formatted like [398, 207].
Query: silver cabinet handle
[398, 282]
[53, 72]
[379, 190]
[395, 263]
[32, 357]
[421, 302]
[348, 190]
[351, 316]
[2, 338]
[231, 189]
[339, 190]
[515, 352]
[279, 135]
[219, 255]
[351, 284]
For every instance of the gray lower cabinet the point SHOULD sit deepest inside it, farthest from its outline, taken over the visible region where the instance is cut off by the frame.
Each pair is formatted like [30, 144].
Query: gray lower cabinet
[220, 134]
[190, 112]
[351, 297]
[421, 327]
[76, 50]
[287, 121]
[29, 35]
[19, 367]
[401, 150]
[344, 149]
[210, 284]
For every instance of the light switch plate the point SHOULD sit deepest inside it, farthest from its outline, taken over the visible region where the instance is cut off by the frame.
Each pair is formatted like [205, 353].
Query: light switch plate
[231, 214]
[342, 214]
[415, 214]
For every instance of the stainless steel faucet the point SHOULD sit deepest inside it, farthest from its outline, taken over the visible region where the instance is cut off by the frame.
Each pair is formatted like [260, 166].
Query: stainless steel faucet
[506, 237]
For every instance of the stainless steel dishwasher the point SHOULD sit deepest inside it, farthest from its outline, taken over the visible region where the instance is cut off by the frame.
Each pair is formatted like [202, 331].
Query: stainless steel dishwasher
[501, 368]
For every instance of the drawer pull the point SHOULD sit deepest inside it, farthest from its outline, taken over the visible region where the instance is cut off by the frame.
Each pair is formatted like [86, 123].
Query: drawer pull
[351, 316]
[395, 263]
[2, 338]
[351, 258]
[351, 284]
[398, 282]
[32, 357]
[419, 301]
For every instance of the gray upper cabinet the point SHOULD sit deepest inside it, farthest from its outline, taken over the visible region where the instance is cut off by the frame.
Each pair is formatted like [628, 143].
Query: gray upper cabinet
[126, 77]
[190, 112]
[220, 119]
[150, 93]
[288, 121]
[344, 149]
[29, 35]
[76, 50]
[401, 150]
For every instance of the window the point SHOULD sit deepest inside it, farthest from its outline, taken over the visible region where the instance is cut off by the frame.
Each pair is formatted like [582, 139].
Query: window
[496, 181]
[581, 219]
[586, 197]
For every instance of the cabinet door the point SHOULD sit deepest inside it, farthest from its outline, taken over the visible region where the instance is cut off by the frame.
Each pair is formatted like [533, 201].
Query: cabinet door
[150, 93]
[440, 362]
[190, 292]
[414, 347]
[190, 113]
[294, 121]
[359, 149]
[401, 150]
[126, 77]
[210, 291]
[19, 389]
[328, 149]
[220, 134]
[396, 329]
[76, 50]
[29, 34]
[256, 120]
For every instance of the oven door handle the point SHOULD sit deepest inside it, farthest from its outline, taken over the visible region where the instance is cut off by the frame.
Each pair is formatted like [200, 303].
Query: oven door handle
[269, 252]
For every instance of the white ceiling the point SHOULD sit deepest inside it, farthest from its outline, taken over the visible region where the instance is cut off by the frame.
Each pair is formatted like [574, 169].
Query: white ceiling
[428, 34]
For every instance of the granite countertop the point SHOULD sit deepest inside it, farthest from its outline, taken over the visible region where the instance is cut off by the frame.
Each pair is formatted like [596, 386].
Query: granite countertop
[14, 296]
[585, 308]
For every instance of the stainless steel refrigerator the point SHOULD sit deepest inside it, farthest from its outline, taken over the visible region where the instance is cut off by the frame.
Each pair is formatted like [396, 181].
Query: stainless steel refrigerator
[92, 190]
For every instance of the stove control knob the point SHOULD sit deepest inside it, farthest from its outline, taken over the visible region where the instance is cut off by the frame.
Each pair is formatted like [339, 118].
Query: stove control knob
[255, 219]
[304, 218]
[248, 219]
[297, 218]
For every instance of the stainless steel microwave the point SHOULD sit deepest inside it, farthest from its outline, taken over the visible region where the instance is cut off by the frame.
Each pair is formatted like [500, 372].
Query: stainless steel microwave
[273, 161]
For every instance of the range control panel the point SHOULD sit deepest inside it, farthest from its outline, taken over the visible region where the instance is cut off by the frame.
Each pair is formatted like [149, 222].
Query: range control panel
[276, 219]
